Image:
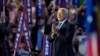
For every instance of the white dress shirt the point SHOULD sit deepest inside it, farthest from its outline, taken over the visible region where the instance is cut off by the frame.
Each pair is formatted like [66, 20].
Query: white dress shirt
[60, 24]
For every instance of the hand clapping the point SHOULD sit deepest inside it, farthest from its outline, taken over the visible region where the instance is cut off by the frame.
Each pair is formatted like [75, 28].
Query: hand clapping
[54, 29]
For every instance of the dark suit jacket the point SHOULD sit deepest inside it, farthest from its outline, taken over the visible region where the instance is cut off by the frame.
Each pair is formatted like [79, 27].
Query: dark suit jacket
[62, 44]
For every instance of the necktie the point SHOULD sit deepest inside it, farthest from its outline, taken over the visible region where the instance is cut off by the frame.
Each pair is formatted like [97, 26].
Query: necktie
[59, 25]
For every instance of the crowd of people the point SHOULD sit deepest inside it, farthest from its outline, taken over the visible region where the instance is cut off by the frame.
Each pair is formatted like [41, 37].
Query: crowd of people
[9, 18]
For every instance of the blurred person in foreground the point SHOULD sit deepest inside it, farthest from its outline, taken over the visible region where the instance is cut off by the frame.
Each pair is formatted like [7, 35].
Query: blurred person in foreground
[79, 41]
[62, 34]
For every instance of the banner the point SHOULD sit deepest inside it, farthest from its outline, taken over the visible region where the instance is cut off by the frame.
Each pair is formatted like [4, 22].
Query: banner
[22, 27]
[27, 20]
[39, 8]
[75, 2]
[19, 31]
[29, 10]
[6, 48]
[62, 3]
[59, 2]
[47, 47]
[27, 37]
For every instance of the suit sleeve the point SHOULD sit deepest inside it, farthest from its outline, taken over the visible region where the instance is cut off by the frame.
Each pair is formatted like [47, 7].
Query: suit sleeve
[50, 39]
[68, 36]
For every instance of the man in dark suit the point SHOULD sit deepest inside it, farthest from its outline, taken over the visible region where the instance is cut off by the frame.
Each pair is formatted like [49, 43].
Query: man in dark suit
[62, 34]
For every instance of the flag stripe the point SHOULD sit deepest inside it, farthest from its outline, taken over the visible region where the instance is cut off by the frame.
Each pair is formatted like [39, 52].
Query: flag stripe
[88, 29]
[94, 44]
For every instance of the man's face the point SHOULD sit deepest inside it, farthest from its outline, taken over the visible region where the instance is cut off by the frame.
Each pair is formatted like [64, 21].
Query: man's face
[61, 15]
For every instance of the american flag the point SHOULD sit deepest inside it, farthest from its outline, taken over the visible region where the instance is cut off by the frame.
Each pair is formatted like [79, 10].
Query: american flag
[91, 35]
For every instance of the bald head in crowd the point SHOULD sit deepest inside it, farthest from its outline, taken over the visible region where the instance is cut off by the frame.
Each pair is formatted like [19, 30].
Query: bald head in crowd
[62, 14]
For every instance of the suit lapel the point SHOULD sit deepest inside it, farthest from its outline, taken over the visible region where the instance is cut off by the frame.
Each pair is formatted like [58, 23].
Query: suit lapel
[64, 25]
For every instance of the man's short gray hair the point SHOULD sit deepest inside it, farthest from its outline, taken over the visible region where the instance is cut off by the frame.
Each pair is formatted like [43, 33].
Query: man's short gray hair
[64, 9]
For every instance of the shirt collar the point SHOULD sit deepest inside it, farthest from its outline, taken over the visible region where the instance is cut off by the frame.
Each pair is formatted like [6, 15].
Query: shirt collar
[63, 21]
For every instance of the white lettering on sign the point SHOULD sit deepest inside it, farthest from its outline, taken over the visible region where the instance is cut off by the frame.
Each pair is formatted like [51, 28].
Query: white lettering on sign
[21, 18]
[19, 25]
[15, 45]
[25, 28]
[20, 22]
[29, 10]
[18, 35]
[16, 39]
[46, 53]
[19, 29]
[26, 34]
[26, 37]
[28, 3]
[29, 14]
[46, 47]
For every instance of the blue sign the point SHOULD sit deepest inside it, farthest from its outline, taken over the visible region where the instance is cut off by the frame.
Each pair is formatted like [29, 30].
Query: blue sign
[47, 48]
